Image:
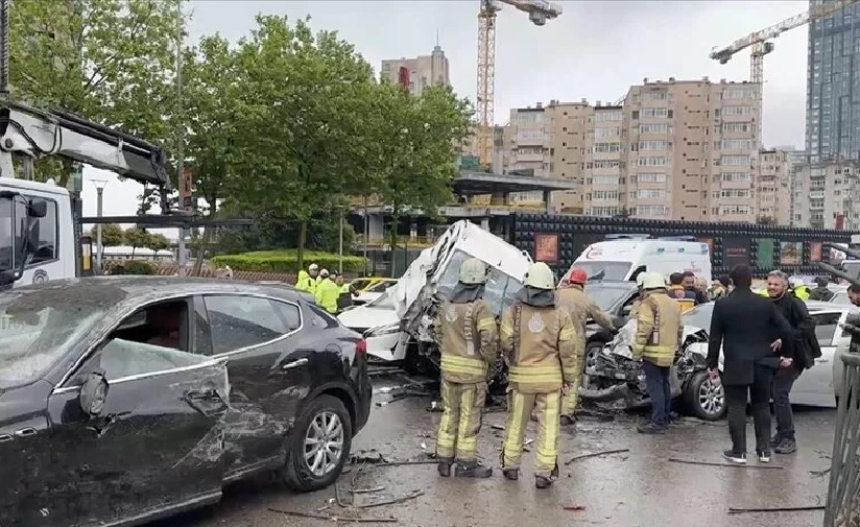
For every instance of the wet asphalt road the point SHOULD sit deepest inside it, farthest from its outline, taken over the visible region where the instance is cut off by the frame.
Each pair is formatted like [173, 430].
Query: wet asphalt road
[637, 489]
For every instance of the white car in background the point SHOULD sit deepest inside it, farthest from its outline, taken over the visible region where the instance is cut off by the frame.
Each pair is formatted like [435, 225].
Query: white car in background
[817, 386]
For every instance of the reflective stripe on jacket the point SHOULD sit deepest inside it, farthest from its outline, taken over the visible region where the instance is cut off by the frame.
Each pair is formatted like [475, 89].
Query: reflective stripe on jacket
[659, 329]
[540, 344]
[304, 282]
[468, 341]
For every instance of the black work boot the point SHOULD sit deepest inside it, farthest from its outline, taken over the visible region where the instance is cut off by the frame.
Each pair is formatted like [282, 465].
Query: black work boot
[568, 420]
[775, 440]
[651, 428]
[542, 482]
[511, 474]
[472, 469]
[786, 446]
[443, 466]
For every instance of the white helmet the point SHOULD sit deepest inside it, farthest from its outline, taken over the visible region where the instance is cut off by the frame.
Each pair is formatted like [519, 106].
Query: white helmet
[324, 273]
[313, 267]
[640, 279]
[653, 281]
[540, 276]
[795, 281]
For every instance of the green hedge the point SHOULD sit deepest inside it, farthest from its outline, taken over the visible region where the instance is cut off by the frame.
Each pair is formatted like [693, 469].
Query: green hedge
[286, 261]
[130, 267]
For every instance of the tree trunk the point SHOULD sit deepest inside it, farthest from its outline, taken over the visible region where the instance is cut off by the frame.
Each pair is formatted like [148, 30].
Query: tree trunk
[395, 222]
[300, 251]
[203, 244]
[66, 173]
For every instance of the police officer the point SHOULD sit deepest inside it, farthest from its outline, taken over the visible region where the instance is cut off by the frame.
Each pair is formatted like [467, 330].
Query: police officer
[581, 308]
[326, 292]
[307, 280]
[658, 335]
[468, 339]
[538, 339]
[800, 289]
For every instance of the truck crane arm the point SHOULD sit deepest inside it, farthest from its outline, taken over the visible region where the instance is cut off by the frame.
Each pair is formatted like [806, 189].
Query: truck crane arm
[35, 133]
[819, 11]
[539, 10]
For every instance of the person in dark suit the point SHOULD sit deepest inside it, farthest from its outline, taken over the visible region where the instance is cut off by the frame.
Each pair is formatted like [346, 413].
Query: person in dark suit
[744, 324]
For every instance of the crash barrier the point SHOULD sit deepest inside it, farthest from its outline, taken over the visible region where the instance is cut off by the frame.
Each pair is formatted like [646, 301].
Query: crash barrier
[843, 495]
[559, 239]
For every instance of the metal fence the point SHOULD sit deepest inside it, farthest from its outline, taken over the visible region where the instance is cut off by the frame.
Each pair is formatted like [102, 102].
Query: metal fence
[843, 496]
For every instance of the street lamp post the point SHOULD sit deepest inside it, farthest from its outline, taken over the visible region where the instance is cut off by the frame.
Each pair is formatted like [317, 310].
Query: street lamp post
[100, 187]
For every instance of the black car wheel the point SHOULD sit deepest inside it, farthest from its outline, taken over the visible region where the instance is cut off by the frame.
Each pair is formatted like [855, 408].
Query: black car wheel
[319, 445]
[705, 398]
[592, 350]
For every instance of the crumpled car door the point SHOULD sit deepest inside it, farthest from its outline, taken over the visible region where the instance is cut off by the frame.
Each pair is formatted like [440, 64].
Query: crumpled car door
[158, 443]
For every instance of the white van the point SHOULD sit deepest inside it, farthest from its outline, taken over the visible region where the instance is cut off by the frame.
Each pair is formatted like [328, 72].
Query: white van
[624, 259]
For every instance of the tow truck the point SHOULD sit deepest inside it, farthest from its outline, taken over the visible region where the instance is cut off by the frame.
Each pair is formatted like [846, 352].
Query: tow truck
[40, 223]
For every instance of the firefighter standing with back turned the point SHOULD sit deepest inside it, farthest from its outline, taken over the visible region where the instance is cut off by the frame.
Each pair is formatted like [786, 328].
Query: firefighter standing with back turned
[538, 340]
[468, 339]
[581, 308]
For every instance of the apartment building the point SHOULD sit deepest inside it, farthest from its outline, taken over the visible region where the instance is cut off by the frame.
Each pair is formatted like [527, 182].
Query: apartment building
[424, 71]
[773, 187]
[832, 196]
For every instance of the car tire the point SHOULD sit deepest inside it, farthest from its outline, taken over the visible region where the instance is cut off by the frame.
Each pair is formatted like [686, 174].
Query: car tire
[592, 349]
[299, 473]
[704, 399]
[417, 363]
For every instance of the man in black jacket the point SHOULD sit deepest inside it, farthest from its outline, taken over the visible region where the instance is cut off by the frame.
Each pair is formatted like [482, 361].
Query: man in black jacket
[804, 350]
[744, 323]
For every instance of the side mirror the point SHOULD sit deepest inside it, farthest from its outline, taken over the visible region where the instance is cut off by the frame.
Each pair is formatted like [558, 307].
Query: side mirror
[37, 209]
[94, 393]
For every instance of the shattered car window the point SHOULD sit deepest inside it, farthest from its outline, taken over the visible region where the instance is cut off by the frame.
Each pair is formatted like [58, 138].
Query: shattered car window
[32, 337]
[500, 289]
[242, 321]
[123, 358]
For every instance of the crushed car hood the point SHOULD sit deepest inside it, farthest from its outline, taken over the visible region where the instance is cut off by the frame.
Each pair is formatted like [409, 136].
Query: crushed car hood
[415, 292]
[622, 344]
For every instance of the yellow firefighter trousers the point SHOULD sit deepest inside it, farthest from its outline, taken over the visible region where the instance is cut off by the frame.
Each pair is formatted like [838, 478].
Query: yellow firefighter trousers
[568, 402]
[461, 420]
[547, 408]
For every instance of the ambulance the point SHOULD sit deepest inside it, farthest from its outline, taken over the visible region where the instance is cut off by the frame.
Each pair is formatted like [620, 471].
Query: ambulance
[624, 258]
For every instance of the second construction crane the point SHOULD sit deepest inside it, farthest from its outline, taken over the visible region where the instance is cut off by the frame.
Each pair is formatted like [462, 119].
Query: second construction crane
[760, 40]
[539, 12]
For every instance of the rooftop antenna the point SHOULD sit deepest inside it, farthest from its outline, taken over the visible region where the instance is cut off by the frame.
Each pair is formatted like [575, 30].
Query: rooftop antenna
[437, 34]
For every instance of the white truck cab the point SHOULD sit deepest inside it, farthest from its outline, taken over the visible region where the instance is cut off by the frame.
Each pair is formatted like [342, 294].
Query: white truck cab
[624, 259]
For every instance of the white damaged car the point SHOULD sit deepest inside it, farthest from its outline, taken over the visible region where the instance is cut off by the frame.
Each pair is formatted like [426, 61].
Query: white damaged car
[398, 325]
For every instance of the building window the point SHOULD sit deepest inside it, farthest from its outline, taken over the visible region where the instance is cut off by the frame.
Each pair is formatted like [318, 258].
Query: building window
[738, 93]
[650, 193]
[654, 113]
[652, 210]
[603, 148]
[736, 144]
[653, 145]
[650, 177]
[605, 163]
[735, 193]
[652, 161]
[655, 95]
[605, 180]
[607, 115]
[602, 195]
[607, 132]
[531, 134]
[735, 176]
[653, 128]
[735, 161]
[737, 110]
[530, 117]
[734, 210]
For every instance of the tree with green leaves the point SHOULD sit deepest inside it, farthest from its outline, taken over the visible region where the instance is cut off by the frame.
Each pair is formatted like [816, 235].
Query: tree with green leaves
[111, 61]
[424, 136]
[157, 242]
[304, 134]
[112, 235]
[136, 237]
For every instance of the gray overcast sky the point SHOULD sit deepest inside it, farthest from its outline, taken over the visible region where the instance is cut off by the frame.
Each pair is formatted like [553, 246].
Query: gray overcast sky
[595, 50]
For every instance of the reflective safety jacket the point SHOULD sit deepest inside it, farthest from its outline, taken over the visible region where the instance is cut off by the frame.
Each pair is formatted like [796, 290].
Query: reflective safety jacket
[686, 299]
[468, 341]
[717, 292]
[659, 329]
[326, 294]
[581, 308]
[801, 292]
[304, 282]
[539, 344]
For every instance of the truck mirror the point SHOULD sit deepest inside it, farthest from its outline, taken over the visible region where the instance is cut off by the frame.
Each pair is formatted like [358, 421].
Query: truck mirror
[38, 209]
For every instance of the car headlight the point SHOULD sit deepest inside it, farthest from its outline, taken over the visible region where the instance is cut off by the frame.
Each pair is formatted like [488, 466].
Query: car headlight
[381, 331]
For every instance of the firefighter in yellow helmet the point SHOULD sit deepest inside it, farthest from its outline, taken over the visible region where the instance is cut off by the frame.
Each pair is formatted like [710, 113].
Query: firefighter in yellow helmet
[658, 335]
[468, 339]
[538, 339]
[581, 308]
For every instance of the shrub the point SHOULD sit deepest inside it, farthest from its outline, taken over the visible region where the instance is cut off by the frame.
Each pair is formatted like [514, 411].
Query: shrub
[286, 261]
[137, 267]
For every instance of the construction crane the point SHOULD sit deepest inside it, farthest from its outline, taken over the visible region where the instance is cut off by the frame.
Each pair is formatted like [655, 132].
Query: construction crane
[539, 12]
[759, 41]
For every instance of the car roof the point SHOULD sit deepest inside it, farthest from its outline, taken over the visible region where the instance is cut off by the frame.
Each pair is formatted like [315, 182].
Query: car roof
[133, 286]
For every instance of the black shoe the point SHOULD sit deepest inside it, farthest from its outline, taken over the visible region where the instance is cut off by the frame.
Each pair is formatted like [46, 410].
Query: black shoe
[775, 440]
[786, 446]
[472, 470]
[443, 466]
[763, 456]
[542, 482]
[568, 420]
[740, 459]
[651, 428]
[511, 474]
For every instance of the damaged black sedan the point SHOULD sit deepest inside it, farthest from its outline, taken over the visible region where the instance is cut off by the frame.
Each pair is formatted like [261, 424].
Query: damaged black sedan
[127, 399]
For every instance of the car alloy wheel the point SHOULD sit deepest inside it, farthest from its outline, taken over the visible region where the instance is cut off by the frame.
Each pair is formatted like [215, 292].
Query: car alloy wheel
[323, 445]
[712, 397]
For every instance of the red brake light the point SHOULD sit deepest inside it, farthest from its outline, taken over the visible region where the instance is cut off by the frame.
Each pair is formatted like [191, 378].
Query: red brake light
[361, 347]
